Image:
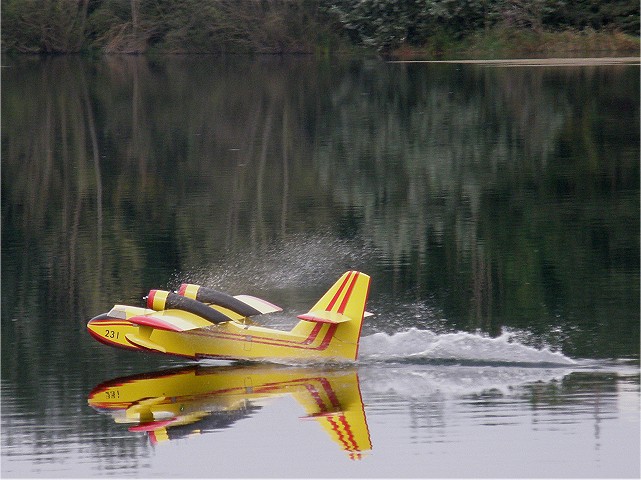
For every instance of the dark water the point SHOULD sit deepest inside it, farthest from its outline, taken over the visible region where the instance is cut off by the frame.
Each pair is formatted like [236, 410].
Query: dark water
[496, 209]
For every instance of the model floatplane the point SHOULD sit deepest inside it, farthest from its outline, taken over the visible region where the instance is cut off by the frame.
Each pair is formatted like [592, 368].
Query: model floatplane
[197, 322]
[175, 404]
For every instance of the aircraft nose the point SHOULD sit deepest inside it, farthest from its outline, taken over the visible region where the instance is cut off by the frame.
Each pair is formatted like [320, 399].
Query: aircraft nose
[93, 323]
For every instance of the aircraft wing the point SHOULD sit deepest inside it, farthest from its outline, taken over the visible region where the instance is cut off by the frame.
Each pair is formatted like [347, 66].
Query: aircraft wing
[263, 306]
[162, 321]
[172, 323]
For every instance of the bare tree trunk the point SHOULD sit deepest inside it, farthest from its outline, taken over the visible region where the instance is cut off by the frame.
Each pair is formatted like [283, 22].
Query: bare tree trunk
[134, 16]
[260, 177]
[285, 196]
[83, 22]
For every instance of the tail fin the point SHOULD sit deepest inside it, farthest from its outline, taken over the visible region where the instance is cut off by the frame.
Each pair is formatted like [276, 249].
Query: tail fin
[343, 304]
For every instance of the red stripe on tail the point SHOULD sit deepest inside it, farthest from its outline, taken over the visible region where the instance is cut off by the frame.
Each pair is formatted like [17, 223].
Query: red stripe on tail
[338, 293]
[341, 309]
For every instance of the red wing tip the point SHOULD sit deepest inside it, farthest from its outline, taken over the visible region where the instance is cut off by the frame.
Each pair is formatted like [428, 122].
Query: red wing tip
[154, 323]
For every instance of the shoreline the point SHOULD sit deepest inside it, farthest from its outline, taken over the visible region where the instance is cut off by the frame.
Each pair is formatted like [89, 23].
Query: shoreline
[516, 60]
[538, 62]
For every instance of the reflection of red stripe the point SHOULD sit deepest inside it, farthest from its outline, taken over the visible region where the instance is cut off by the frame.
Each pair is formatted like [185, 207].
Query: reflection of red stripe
[307, 382]
[327, 387]
[314, 393]
[110, 405]
[338, 293]
[346, 438]
[348, 431]
[341, 309]
[330, 392]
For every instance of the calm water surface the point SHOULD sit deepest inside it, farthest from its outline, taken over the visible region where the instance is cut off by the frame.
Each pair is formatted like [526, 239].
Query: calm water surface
[496, 209]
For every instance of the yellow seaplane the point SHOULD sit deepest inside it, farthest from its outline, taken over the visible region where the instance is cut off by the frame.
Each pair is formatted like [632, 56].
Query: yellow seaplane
[198, 322]
[191, 401]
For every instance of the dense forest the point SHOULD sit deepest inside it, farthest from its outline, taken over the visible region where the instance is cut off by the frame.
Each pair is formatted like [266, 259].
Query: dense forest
[311, 26]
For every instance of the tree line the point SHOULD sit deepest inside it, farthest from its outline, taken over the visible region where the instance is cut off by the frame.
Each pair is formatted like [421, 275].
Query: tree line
[289, 26]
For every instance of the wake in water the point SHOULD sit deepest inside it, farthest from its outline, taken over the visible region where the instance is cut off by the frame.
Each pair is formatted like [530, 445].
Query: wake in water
[308, 261]
[422, 346]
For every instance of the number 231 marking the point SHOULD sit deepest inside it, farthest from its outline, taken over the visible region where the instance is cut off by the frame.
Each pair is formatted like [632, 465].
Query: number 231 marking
[112, 334]
[112, 394]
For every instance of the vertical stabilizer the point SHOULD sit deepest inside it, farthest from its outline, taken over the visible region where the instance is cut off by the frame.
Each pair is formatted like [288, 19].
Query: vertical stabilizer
[342, 306]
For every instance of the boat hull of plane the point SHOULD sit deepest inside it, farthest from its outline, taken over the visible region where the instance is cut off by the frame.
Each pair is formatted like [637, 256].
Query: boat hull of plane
[230, 340]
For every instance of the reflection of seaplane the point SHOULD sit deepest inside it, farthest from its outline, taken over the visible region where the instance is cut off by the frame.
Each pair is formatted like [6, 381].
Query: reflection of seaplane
[193, 400]
[198, 322]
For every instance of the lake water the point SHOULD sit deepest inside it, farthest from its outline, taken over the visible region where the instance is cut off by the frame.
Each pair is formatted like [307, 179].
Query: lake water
[496, 209]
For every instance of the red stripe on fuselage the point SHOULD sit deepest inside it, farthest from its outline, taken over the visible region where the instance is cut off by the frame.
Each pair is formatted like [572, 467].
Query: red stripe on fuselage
[109, 322]
[328, 337]
[242, 337]
[313, 334]
[106, 341]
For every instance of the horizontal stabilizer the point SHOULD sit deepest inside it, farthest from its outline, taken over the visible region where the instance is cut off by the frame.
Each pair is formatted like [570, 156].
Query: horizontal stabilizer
[323, 316]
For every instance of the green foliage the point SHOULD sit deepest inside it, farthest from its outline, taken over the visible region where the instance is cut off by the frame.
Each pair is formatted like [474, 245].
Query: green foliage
[387, 24]
[380, 24]
[212, 26]
[622, 15]
[44, 26]
[288, 26]
[505, 42]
